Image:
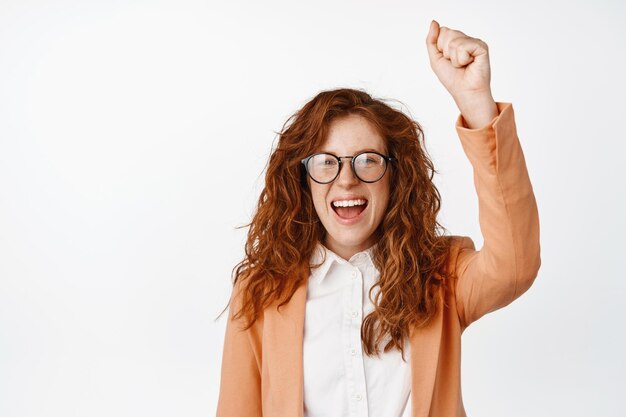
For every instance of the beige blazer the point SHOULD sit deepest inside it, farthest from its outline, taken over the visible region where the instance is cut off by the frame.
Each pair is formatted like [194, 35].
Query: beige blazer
[262, 367]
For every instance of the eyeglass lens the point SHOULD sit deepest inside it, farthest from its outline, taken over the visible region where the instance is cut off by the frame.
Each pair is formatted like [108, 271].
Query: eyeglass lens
[368, 167]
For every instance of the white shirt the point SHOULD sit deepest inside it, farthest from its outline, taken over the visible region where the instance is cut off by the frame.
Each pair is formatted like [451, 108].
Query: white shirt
[339, 379]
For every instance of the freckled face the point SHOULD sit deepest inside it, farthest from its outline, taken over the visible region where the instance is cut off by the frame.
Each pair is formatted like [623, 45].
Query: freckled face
[350, 135]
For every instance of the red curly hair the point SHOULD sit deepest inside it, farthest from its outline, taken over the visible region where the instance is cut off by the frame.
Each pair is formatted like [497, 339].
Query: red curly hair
[411, 253]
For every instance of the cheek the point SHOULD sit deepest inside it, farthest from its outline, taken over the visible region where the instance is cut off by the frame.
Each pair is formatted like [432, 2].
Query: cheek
[387, 188]
[318, 195]
[382, 192]
[383, 204]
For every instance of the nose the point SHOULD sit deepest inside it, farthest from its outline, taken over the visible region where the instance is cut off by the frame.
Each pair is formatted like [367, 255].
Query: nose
[346, 175]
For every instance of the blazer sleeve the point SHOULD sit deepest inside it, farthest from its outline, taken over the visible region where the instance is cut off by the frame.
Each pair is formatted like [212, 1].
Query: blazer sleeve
[240, 384]
[509, 260]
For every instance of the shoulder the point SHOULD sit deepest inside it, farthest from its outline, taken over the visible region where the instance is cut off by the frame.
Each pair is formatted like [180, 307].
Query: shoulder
[459, 246]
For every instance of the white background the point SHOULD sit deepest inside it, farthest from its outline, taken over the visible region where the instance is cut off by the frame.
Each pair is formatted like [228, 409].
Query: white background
[133, 138]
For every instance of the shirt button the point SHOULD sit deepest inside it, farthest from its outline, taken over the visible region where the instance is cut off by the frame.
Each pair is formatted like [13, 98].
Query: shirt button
[358, 397]
[354, 275]
[353, 352]
[355, 313]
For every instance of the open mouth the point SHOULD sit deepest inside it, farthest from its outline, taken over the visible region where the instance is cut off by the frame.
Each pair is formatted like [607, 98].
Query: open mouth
[349, 209]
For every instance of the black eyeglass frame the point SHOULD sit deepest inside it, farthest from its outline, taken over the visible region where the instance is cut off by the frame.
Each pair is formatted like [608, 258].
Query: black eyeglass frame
[386, 158]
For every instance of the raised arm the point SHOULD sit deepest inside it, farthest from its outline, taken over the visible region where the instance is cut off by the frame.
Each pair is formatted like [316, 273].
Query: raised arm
[508, 262]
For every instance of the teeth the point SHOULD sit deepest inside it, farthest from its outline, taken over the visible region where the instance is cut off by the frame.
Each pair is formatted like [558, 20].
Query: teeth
[348, 203]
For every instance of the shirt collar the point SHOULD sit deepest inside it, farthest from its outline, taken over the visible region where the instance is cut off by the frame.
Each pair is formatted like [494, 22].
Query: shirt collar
[326, 257]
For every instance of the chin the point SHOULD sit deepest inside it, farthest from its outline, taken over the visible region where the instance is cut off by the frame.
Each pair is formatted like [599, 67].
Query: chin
[347, 240]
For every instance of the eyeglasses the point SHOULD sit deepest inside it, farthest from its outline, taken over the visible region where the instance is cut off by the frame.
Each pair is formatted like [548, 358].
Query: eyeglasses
[368, 167]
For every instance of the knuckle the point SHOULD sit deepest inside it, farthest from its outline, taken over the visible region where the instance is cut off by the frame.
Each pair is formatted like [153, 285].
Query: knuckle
[455, 43]
[483, 43]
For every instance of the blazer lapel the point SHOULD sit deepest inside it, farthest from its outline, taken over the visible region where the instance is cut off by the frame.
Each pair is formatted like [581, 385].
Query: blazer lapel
[425, 343]
[282, 351]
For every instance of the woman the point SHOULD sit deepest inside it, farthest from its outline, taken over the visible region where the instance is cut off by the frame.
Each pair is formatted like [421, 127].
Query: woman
[350, 300]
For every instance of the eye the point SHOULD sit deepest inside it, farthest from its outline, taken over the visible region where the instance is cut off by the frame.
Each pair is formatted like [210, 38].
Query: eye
[323, 161]
[368, 159]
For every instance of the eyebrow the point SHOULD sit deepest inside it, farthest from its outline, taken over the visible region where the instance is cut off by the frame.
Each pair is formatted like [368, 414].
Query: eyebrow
[357, 152]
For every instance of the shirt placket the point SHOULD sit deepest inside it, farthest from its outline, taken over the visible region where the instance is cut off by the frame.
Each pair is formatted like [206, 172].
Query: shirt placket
[353, 352]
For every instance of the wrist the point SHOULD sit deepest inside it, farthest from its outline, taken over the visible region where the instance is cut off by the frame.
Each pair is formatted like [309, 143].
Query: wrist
[477, 109]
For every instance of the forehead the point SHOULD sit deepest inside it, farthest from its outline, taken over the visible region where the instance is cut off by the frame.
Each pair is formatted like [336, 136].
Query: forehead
[352, 133]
